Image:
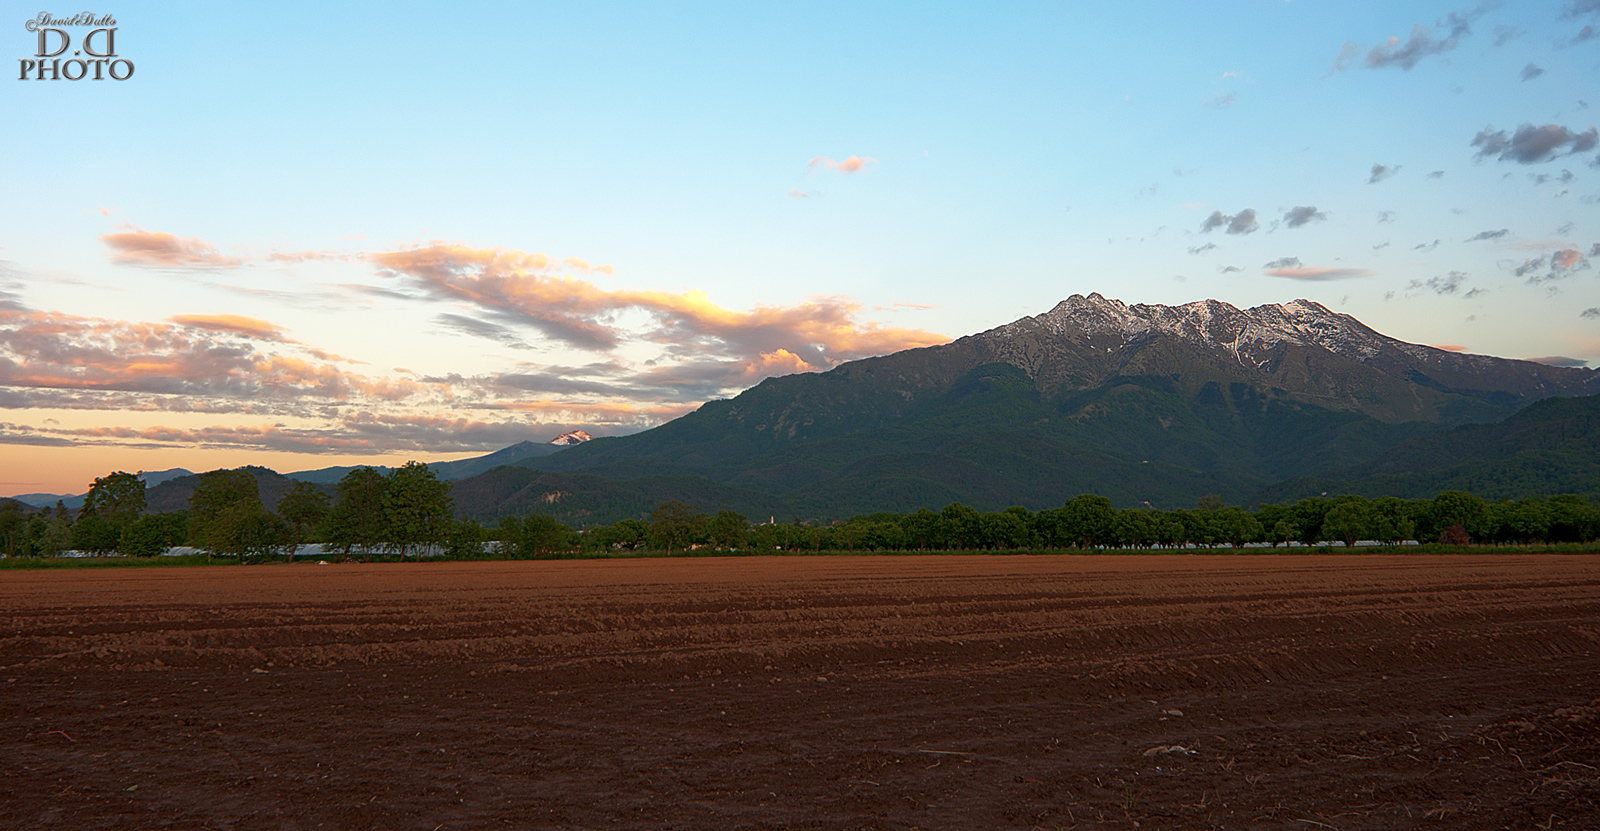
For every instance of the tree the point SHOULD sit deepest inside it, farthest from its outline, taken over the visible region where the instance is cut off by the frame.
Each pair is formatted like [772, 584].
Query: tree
[304, 506]
[357, 517]
[116, 496]
[1454, 508]
[416, 508]
[227, 517]
[675, 524]
[1235, 526]
[1088, 520]
[1393, 520]
[536, 535]
[728, 529]
[1348, 520]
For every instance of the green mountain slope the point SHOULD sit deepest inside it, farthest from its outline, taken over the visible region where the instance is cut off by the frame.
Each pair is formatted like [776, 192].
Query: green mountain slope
[1551, 447]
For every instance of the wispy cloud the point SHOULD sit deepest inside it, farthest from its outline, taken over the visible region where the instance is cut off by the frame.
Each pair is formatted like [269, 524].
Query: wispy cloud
[1423, 42]
[1243, 222]
[1314, 274]
[235, 324]
[852, 164]
[1301, 215]
[1530, 72]
[1485, 235]
[1531, 144]
[1443, 284]
[1381, 172]
[160, 249]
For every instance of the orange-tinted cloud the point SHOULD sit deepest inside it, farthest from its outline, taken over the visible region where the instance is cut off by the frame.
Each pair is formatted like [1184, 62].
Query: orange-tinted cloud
[59, 351]
[157, 248]
[1448, 347]
[236, 324]
[853, 164]
[519, 288]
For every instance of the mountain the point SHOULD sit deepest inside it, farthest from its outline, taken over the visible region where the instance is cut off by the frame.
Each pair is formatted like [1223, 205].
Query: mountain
[1551, 447]
[449, 471]
[569, 439]
[173, 494]
[48, 500]
[1143, 404]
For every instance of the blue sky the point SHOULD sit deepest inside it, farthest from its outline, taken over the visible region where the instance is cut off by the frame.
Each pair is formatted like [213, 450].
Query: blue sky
[301, 237]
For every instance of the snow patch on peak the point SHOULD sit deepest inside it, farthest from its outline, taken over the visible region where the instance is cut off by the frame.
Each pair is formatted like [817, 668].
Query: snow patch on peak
[574, 437]
[1302, 322]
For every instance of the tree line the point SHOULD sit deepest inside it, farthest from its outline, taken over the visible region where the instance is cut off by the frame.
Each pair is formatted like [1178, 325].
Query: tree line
[409, 511]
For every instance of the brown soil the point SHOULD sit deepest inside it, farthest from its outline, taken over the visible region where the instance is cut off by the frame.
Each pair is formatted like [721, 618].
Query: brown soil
[1307, 692]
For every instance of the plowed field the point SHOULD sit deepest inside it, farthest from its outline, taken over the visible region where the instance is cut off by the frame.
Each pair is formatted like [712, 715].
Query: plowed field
[1305, 692]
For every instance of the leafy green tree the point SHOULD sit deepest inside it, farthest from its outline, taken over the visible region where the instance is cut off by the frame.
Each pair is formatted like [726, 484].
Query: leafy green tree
[623, 535]
[1308, 514]
[304, 507]
[416, 508]
[116, 496]
[1523, 521]
[51, 533]
[1454, 508]
[537, 536]
[1348, 519]
[676, 525]
[1284, 531]
[465, 540]
[1393, 520]
[1137, 528]
[357, 518]
[1572, 518]
[1088, 521]
[96, 533]
[14, 541]
[144, 537]
[960, 526]
[1235, 526]
[227, 518]
[728, 530]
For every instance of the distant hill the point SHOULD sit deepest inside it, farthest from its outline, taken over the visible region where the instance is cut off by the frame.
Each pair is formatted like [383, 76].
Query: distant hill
[449, 471]
[1142, 404]
[1551, 447]
[173, 494]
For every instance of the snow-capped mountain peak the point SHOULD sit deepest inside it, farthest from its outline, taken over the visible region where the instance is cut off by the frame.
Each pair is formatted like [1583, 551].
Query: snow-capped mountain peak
[574, 437]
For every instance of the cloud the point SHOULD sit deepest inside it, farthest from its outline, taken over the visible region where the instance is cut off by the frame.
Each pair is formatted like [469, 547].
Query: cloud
[853, 164]
[1422, 42]
[1559, 360]
[1381, 172]
[1530, 144]
[1483, 235]
[512, 288]
[1437, 174]
[1243, 222]
[1316, 274]
[1474, 294]
[1385, 217]
[1284, 262]
[1221, 102]
[1442, 285]
[1229, 269]
[1586, 33]
[1381, 245]
[1449, 347]
[1201, 249]
[1301, 215]
[1591, 313]
[795, 193]
[236, 324]
[57, 351]
[1562, 264]
[160, 249]
[1425, 246]
[1530, 72]
[1504, 34]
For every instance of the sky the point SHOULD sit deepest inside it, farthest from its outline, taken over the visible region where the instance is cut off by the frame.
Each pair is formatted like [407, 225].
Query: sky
[301, 236]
